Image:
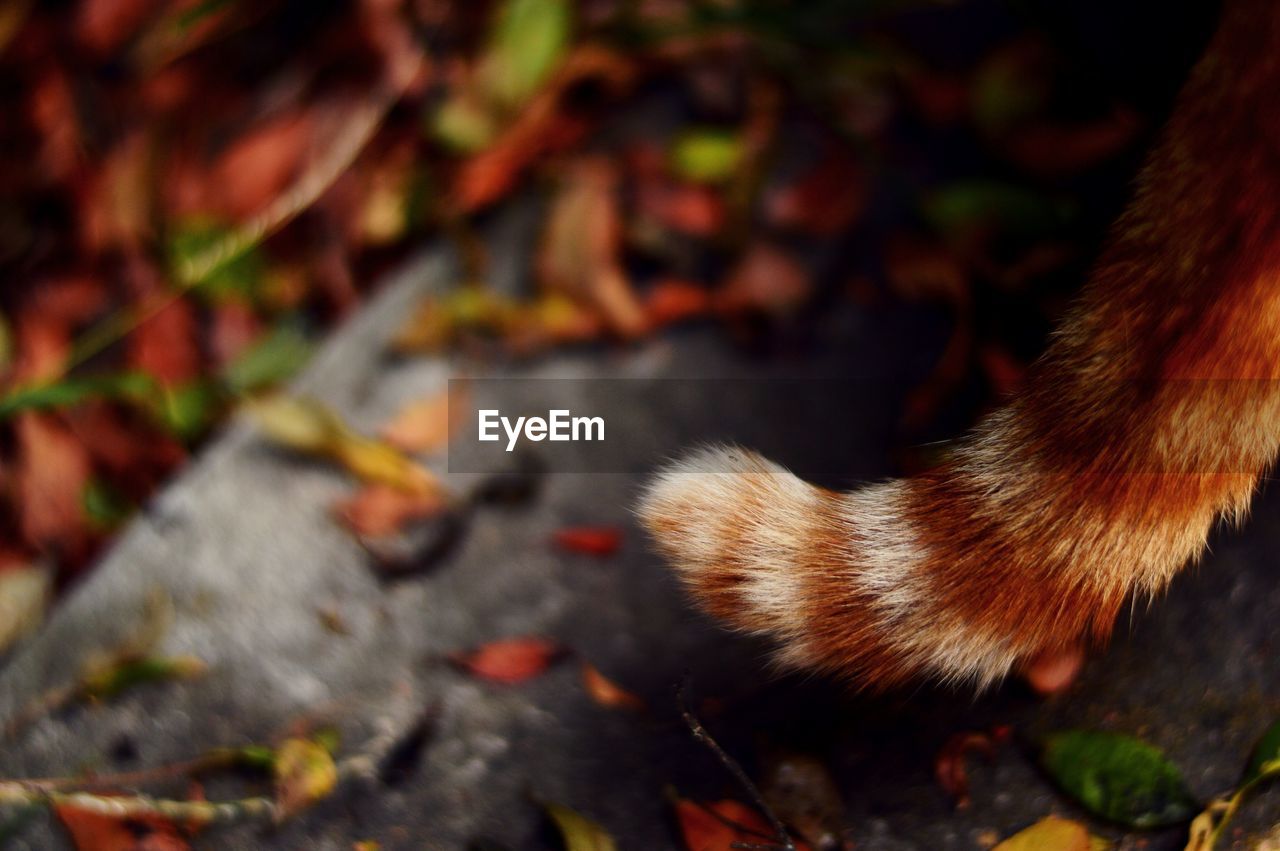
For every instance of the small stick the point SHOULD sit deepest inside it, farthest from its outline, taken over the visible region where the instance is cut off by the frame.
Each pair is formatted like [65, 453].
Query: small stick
[700, 733]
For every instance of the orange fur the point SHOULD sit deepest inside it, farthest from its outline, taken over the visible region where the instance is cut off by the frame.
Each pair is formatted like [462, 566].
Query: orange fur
[1152, 414]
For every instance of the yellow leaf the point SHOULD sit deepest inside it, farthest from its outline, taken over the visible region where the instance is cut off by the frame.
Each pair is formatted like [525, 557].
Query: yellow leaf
[1049, 834]
[307, 426]
[580, 833]
[304, 773]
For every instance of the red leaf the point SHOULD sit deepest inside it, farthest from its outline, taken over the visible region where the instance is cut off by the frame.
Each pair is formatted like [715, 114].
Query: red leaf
[671, 300]
[165, 345]
[509, 660]
[93, 832]
[703, 831]
[590, 540]
[382, 510]
[823, 202]
[260, 164]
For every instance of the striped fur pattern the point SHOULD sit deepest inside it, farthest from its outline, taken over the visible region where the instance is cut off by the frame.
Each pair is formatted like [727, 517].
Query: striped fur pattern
[1151, 416]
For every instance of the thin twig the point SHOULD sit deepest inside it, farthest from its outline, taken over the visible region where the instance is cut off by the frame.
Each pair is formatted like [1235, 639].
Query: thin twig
[700, 733]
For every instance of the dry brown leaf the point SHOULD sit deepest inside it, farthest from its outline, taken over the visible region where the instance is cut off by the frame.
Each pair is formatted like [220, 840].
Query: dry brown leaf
[580, 253]
[52, 471]
[803, 794]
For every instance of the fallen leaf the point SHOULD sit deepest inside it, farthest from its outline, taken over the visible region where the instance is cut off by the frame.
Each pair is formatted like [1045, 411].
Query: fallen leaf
[1265, 758]
[1119, 778]
[706, 155]
[24, 596]
[580, 254]
[825, 201]
[92, 831]
[105, 682]
[164, 346]
[268, 361]
[50, 476]
[137, 387]
[1049, 834]
[767, 280]
[548, 123]
[259, 165]
[304, 773]
[717, 825]
[440, 321]
[804, 796]
[686, 208]
[528, 40]
[379, 509]
[606, 692]
[579, 832]
[589, 540]
[672, 300]
[949, 765]
[510, 660]
[423, 426]
[306, 425]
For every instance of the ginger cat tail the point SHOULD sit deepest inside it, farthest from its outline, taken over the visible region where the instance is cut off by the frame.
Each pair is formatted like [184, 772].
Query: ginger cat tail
[1152, 414]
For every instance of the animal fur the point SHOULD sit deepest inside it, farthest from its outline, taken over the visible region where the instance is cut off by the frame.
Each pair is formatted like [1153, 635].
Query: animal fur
[1151, 415]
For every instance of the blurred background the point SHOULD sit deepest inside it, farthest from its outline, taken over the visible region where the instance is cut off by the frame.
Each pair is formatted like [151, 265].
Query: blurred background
[191, 193]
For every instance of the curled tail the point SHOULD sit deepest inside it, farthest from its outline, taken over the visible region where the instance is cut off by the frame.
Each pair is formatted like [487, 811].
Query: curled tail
[1152, 414]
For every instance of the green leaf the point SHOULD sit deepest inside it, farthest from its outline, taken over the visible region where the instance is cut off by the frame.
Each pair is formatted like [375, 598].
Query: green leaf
[113, 679]
[528, 40]
[1265, 758]
[707, 156]
[105, 506]
[133, 386]
[271, 360]
[241, 270]
[463, 124]
[579, 832]
[6, 343]
[1119, 778]
[984, 203]
[186, 411]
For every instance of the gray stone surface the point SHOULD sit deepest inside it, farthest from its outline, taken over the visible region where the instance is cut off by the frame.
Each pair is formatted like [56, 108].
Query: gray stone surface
[244, 544]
